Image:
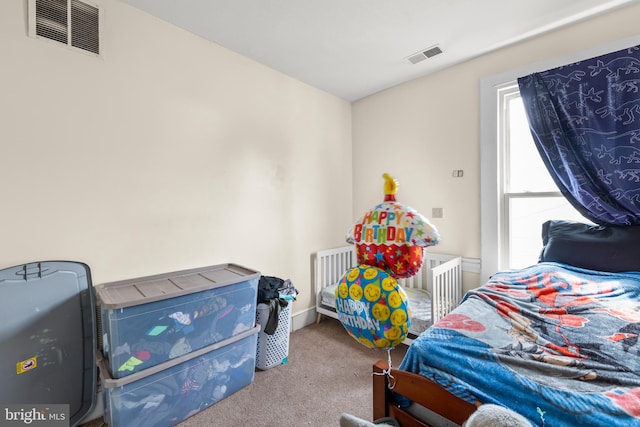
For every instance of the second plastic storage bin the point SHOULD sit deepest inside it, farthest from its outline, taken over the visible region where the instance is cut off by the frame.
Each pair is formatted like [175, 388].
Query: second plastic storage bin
[153, 319]
[169, 393]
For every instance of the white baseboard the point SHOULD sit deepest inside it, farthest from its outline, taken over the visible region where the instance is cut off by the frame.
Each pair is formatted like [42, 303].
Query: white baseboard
[303, 318]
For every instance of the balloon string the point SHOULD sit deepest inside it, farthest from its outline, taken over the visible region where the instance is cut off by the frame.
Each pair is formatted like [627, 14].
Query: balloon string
[391, 381]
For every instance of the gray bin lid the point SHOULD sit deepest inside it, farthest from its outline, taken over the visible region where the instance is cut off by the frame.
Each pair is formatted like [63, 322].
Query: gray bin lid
[48, 336]
[142, 290]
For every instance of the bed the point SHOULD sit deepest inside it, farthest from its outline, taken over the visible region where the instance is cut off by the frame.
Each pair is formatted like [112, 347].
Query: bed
[556, 342]
[433, 292]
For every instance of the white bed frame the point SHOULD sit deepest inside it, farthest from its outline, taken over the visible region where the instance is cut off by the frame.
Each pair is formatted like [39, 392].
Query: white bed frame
[440, 275]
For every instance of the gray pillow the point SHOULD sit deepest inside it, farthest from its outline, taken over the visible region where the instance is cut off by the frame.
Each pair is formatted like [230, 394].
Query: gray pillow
[593, 247]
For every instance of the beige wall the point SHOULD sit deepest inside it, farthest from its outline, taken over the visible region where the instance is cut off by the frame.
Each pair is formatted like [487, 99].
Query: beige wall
[168, 153]
[422, 130]
[171, 152]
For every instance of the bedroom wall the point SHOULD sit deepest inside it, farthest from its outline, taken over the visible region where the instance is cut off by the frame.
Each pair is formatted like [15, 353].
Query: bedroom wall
[168, 153]
[422, 130]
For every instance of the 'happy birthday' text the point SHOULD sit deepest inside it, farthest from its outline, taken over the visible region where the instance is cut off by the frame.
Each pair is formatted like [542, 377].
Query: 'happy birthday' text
[349, 311]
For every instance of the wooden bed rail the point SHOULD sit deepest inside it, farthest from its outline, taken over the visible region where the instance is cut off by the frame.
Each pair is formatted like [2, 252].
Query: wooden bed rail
[418, 389]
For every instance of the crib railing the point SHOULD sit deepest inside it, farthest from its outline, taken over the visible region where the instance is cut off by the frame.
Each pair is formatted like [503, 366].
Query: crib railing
[440, 275]
[331, 264]
[446, 290]
[424, 278]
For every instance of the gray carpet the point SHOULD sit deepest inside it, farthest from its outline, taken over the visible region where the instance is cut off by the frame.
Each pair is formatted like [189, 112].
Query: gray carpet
[327, 373]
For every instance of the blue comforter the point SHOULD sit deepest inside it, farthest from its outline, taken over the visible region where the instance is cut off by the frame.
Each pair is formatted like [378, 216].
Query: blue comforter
[555, 343]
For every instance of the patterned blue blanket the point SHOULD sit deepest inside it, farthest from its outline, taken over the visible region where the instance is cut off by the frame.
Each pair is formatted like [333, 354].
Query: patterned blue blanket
[555, 343]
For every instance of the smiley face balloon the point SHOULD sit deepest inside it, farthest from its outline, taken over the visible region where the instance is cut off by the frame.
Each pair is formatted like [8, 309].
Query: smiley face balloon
[392, 236]
[372, 307]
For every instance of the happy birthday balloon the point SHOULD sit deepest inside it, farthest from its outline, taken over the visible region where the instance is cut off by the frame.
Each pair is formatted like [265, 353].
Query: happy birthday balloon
[392, 236]
[372, 307]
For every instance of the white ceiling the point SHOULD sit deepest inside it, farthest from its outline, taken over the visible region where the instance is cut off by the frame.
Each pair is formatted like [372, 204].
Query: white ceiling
[354, 48]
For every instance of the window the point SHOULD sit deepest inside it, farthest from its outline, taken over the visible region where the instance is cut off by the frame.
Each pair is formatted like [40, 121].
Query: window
[528, 194]
[511, 221]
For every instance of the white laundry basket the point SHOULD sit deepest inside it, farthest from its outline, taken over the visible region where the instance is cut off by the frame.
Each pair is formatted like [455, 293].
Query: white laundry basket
[273, 350]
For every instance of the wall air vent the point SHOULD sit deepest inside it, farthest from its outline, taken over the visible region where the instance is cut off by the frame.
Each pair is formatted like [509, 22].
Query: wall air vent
[74, 23]
[424, 54]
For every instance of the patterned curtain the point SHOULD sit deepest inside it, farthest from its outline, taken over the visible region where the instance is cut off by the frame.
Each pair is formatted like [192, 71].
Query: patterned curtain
[585, 121]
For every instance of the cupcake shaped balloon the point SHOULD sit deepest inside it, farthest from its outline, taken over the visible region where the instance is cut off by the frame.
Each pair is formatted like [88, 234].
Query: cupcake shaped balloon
[392, 236]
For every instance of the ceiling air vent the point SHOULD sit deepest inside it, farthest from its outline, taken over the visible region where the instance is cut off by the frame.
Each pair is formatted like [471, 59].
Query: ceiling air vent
[71, 22]
[422, 55]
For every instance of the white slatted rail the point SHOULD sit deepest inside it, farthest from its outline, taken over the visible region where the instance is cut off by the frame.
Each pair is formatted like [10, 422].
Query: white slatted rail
[440, 275]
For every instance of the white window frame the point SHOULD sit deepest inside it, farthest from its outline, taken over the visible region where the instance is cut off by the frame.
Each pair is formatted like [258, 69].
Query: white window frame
[491, 214]
[504, 94]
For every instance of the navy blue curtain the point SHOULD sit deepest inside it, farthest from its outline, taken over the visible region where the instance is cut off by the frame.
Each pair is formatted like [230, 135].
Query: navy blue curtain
[585, 121]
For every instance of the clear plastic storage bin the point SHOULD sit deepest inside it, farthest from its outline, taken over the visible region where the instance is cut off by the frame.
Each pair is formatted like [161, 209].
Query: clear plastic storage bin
[150, 320]
[167, 394]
